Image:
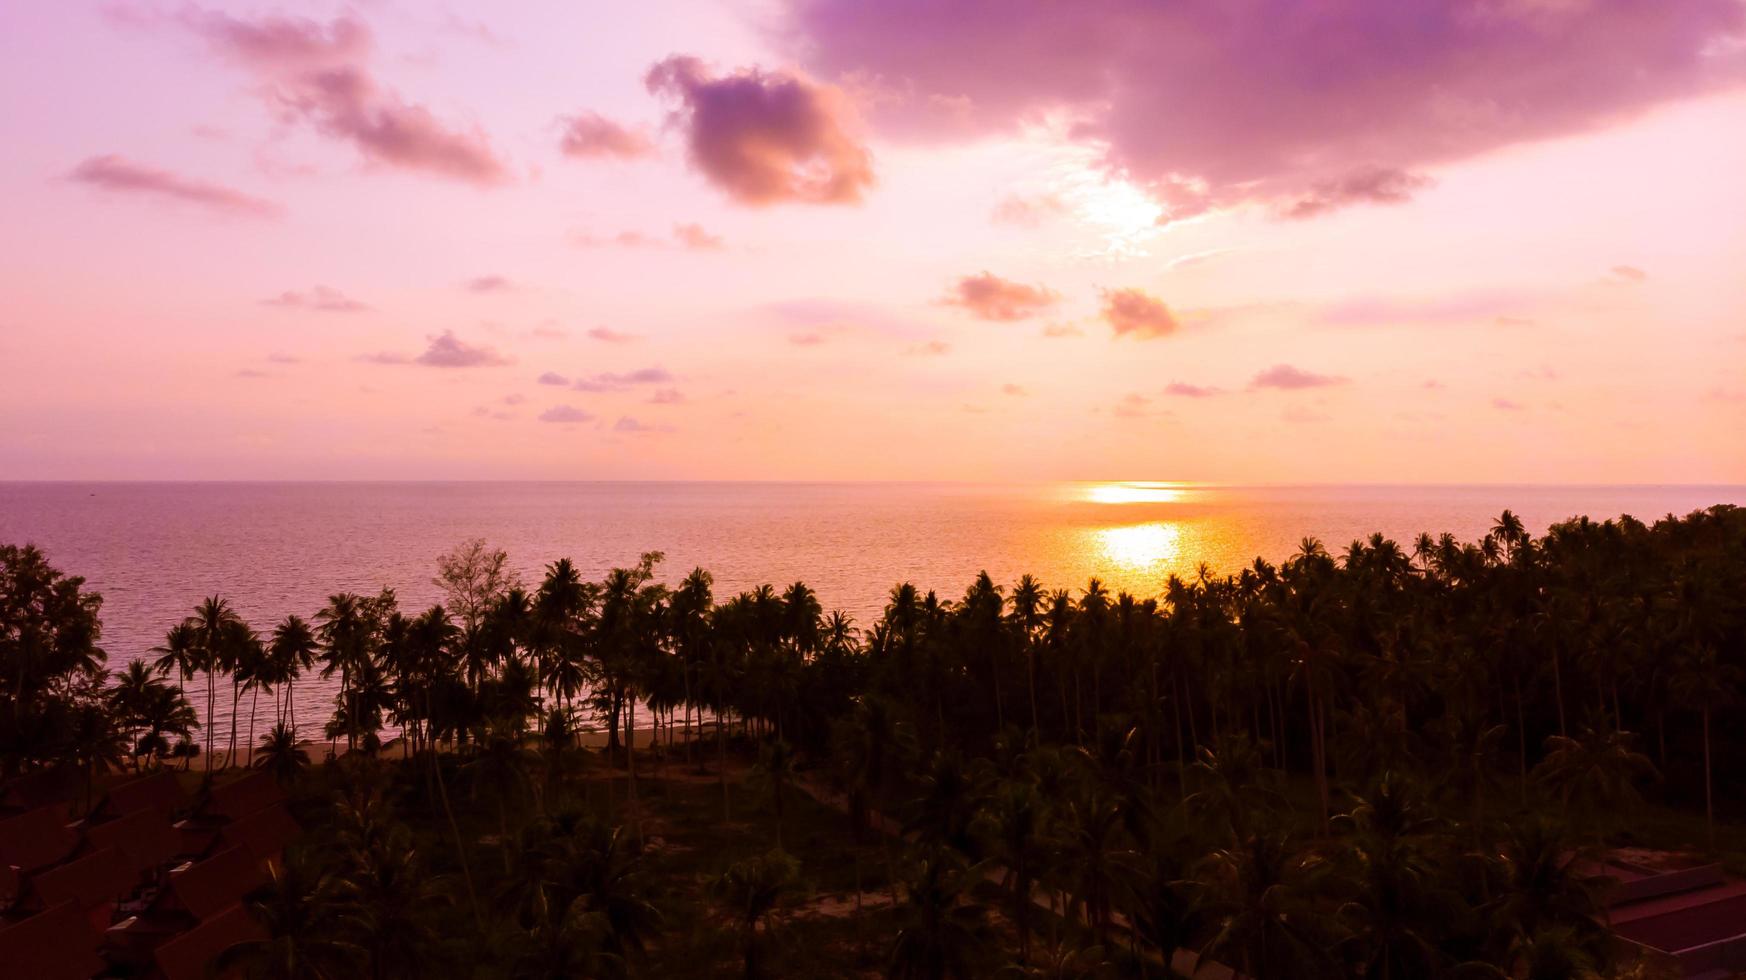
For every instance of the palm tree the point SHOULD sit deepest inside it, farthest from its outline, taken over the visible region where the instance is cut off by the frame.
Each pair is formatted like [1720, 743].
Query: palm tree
[214, 627]
[1594, 775]
[1262, 901]
[307, 916]
[776, 772]
[1017, 823]
[280, 755]
[941, 932]
[750, 893]
[1705, 681]
[394, 901]
[500, 772]
[292, 652]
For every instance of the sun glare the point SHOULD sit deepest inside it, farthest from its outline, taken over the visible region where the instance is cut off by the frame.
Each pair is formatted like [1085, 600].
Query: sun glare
[1134, 493]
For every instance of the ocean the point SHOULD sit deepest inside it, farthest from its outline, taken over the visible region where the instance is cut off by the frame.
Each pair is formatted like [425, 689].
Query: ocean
[154, 550]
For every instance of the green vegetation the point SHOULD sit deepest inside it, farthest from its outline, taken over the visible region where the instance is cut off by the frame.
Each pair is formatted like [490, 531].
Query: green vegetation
[1375, 764]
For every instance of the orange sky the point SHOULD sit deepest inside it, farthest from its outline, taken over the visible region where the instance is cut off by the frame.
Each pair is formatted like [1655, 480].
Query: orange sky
[787, 241]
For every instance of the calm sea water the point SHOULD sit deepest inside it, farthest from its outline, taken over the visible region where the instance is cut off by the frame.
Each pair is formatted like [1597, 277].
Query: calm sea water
[155, 549]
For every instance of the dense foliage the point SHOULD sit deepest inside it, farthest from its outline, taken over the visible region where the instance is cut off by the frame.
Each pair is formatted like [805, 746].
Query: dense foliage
[1375, 763]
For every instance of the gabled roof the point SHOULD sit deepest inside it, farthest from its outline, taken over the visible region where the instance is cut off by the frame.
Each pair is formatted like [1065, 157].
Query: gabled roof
[210, 886]
[263, 833]
[52, 945]
[241, 797]
[144, 837]
[187, 956]
[160, 789]
[99, 877]
[37, 839]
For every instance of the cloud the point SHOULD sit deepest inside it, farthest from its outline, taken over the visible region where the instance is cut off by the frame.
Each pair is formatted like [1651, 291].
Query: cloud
[667, 396]
[1366, 185]
[1183, 389]
[445, 351]
[1133, 406]
[933, 348]
[610, 336]
[515, 399]
[119, 175]
[989, 297]
[1058, 330]
[1288, 378]
[591, 135]
[693, 236]
[1210, 103]
[489, 284]
[252, 373]
[1628, 273]
[1016, 391]
[806, 339]
[627, 424]
[320, 298]
[1507, 405]
[283, 359]
[565, 414]
[765, 137]
[610, 381]
[1028, 211]
[319, 75]
[1132, 311]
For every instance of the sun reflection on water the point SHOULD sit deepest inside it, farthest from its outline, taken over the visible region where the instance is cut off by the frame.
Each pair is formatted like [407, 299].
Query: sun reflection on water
[1140, 547]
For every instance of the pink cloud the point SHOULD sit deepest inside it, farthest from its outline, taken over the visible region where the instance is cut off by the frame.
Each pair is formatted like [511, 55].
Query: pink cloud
[553, 378]
[446, 351]
[693, 236]
[319, 75]
[765, 137]
[320, 298]
[610, 336]
[988, 297]
[1366, 185]
[489, 284]
[1628, 273]
[1028, 212]
[1016, 391]
[1507, 405]
[1060, 330]
[629, 425]
[119, 175]
[667, 396]
[613, 381]
[1133, 311]
[565, 414]
[1288, 378]
[806, 339]
[590, 134]
[1210, 102]
[1182, 389]
[933, 348]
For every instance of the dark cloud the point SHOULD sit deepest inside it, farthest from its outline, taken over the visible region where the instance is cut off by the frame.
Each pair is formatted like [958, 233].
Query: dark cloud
[1132, 312]
[118, 175]
[1210, 103]
[765, 137]
[989, 297]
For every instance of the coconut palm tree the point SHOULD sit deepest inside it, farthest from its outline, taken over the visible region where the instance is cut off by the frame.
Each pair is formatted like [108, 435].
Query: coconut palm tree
[292, 652]
[751, 893]
[307, 917]
[941, 931]
[214, 633]
[775, 773]
[1704, 681]
[280, 755]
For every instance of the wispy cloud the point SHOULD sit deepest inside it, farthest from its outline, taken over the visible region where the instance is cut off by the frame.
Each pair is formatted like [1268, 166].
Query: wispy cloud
[610, 336]
[320, 298]
[489, 284]
[1183, 389]
[591, 135]
[121, 176]
[613, 381]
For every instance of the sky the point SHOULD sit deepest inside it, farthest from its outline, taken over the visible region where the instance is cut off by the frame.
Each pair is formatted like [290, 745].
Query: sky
[1237, 241]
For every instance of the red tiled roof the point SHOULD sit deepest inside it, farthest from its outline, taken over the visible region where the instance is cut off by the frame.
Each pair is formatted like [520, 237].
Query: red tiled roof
[52, 945]
[241, 797]
[99, 877]
[160, 790]
[208, 887]
[34, 789]
[37, 839]
[187, 956]
[264, 833]
[144, 837]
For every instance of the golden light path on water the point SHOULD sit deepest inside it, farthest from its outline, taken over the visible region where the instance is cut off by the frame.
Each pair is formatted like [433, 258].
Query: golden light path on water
[1137, 555]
